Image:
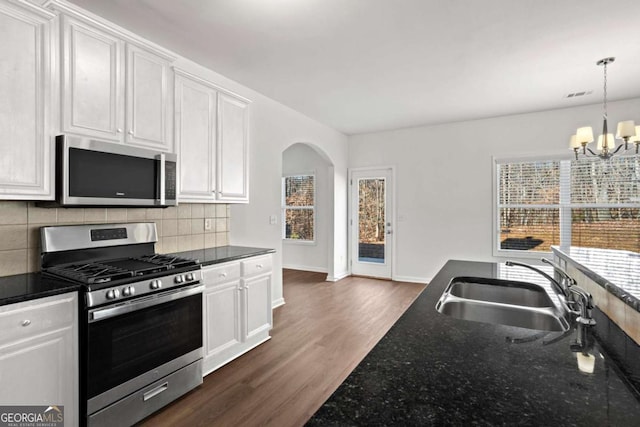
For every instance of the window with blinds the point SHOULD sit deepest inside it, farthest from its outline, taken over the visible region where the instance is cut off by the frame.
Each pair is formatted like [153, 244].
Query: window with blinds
[529, 205]
[298, 195]
[588, 203]
[605, 203]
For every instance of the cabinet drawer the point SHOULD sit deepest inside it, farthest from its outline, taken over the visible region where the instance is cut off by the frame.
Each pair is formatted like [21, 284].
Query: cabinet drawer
[255, 266]
[30, 318]
[221, 273]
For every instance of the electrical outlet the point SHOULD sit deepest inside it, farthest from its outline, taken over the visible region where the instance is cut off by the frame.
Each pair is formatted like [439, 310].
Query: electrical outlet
[273, 220]
[207, 223]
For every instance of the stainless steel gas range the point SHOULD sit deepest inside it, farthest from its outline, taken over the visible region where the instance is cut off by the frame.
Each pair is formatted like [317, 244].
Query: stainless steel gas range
[141, 329]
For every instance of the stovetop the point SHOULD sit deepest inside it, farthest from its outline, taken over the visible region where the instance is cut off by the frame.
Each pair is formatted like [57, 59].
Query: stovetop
[114, 262]
[105, 273]
[109, 270]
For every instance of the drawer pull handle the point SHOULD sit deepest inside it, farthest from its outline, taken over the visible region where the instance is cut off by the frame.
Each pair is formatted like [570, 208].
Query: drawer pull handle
[156, 391]
[223, 274]
[26, 322]
[259, 266]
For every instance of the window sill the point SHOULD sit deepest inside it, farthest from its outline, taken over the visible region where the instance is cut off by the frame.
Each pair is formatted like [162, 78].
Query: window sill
[299, 242]
[506, 253]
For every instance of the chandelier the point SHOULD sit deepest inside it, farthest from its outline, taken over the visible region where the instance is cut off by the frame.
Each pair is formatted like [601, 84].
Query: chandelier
[627, 131]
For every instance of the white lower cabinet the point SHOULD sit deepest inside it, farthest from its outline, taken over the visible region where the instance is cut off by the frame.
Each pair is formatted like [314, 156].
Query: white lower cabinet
[237, 312]
[39, 354]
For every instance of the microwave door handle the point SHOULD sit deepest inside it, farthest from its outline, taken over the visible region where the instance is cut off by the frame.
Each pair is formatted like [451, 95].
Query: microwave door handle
[162, 179]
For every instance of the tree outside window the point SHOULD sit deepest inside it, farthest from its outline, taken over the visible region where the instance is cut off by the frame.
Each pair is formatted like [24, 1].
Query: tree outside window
[299, 207]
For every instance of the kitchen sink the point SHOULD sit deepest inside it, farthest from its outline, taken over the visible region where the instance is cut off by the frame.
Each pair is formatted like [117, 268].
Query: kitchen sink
[504, 302]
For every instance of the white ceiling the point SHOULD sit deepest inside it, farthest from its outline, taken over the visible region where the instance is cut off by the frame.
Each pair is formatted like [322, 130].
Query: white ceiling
[368, 65]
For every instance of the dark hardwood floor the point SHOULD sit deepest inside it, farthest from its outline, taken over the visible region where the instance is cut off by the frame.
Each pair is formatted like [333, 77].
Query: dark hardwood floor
[319, 336]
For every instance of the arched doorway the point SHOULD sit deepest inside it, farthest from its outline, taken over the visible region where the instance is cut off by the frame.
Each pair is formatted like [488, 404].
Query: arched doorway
[308, 209]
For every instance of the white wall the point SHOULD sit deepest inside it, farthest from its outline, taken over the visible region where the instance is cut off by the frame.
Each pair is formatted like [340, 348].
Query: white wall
[444, 177]
[302, 159]
[273, 128]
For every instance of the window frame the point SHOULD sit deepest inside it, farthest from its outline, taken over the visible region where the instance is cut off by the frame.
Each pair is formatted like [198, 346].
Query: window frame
[285, 207]
[565, 205]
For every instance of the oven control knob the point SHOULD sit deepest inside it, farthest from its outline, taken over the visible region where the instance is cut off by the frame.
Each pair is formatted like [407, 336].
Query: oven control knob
[179, 278]
[156, 284]
[191, 277]
[128, 291]
[113, 294]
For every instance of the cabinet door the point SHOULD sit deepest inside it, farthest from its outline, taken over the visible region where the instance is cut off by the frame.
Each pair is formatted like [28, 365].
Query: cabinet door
[195, 139]
[232, 163]
[257, 305]
[222, 318]
[39, 354]
[39, 371]
[92, 82]
[147, 99]
[25, 54]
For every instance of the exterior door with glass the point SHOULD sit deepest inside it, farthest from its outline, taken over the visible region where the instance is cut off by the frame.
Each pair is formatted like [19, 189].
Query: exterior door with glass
[371, 222]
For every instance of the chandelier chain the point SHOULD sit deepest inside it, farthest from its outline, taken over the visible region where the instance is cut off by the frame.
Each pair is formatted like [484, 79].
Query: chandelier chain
[605, 91]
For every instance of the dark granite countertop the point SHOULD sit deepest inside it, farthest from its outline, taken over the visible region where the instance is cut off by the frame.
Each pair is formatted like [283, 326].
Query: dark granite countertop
[432, 369]
[24, 287]
[615, 270]
[222, 254]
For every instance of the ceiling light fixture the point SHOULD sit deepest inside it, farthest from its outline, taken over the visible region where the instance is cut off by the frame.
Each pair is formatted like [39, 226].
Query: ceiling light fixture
[627, 130]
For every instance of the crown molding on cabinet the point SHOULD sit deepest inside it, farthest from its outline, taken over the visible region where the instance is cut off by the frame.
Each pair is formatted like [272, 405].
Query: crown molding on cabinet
[63, 6]
[220, 89]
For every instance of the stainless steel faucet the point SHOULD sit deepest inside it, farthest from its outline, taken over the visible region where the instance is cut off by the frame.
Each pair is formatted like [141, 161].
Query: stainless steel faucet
[571, 294]
[567, 280]
[557, 286]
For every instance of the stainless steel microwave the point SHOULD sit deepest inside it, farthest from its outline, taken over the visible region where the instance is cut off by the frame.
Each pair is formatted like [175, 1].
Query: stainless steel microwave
[97, 173]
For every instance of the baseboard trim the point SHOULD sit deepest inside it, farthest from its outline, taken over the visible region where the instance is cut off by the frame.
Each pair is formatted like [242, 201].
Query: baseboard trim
[305, 268]
[411, 279]
[277, 303]
[338, 276]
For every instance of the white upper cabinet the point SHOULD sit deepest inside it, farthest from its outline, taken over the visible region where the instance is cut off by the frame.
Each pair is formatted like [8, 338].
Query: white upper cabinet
[91, 81]
[233, 119]
[65, 70]
[211, 141]
[195, 125]
[26, 52]
[148, 103]
[113, 88]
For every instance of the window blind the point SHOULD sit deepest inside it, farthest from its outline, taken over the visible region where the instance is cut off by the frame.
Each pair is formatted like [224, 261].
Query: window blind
[529, 205]
[605, 203]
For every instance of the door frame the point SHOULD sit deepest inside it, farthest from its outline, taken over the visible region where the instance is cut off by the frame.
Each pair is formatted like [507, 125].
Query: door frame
[391, 214]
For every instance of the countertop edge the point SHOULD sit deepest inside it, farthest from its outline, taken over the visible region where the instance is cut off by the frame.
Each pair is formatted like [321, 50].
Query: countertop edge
[238, 257]
[37, 294]
[222, 254]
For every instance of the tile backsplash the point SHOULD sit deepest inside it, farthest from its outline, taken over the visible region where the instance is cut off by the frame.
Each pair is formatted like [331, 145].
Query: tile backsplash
[180, 228]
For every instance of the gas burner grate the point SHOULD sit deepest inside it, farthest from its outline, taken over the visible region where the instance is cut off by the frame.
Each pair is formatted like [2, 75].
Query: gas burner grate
[90, 273]
[169, 260]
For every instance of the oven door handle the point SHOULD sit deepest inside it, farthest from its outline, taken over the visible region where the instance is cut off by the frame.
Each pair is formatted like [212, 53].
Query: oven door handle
[139, 304]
